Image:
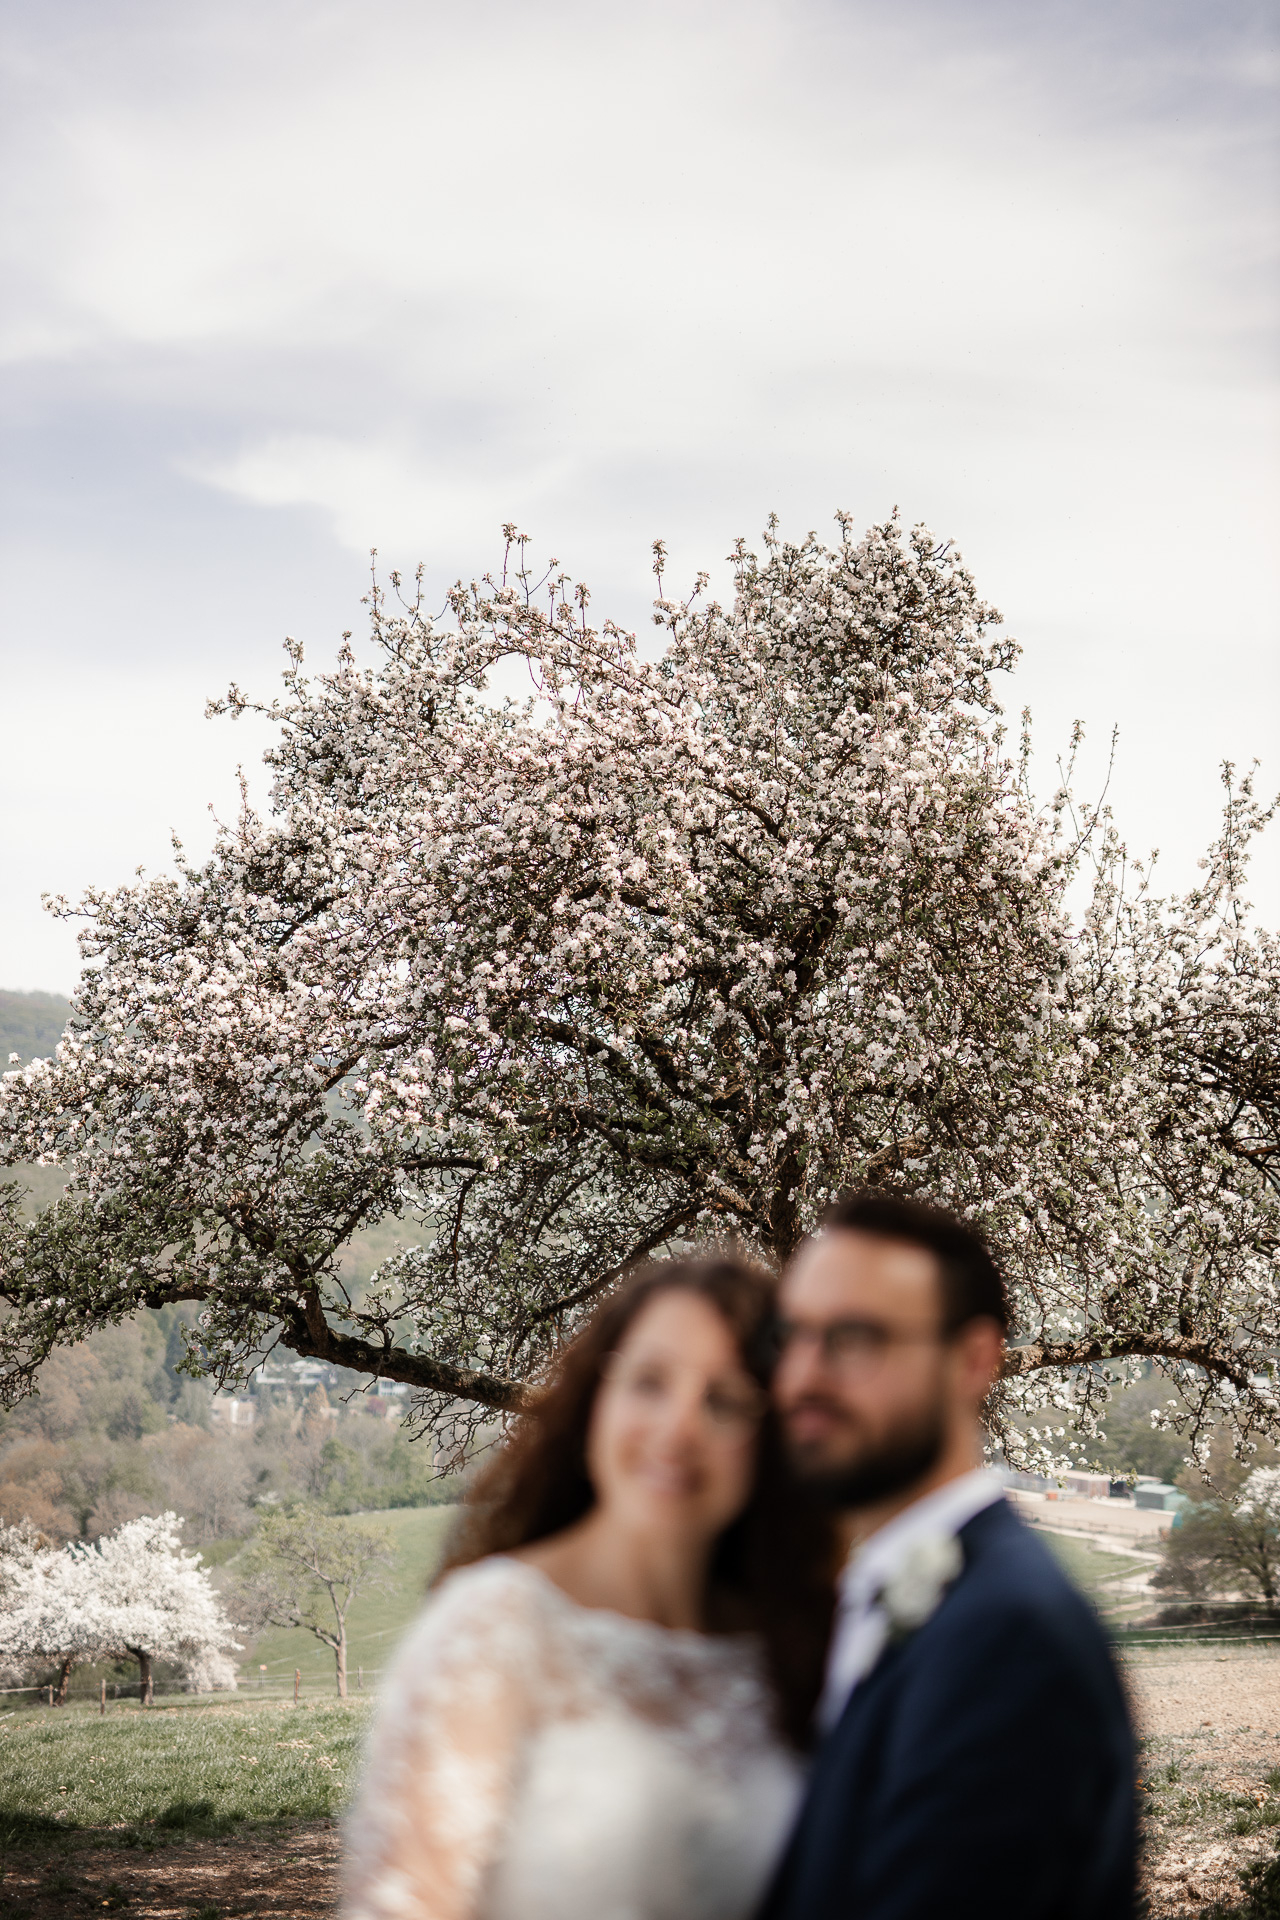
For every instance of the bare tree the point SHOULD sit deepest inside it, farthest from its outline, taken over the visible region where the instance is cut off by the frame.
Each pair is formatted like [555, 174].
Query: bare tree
[305, 1568]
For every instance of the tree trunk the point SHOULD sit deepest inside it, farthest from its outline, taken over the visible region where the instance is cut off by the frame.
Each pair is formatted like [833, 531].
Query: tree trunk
[340, 1659]
[64, 1675]
[784, 1213]
[146, 1680]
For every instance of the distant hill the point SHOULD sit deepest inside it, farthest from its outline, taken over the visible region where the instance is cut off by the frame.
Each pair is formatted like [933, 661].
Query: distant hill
[31, 1025]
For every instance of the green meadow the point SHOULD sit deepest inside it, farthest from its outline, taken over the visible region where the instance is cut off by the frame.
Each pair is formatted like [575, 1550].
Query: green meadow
[190, 1768]
[207, 1764]
[1095, 1571]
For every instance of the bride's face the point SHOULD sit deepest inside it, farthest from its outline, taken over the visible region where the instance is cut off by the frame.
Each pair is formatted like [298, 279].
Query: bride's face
[672, 1443]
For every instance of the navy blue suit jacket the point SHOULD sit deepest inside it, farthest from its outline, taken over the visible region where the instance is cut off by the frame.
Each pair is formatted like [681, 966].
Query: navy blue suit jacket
[984, 1769]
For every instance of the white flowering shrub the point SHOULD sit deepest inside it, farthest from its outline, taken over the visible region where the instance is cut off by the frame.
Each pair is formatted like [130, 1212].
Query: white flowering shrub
[47, 1616]
[154, 1601]
[134, 1593]
[678, 948]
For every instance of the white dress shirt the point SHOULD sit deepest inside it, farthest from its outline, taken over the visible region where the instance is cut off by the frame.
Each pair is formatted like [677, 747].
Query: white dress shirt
[861, 1624]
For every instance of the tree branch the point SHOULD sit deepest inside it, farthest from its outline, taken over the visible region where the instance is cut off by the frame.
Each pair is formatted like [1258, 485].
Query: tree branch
[1038, 1354]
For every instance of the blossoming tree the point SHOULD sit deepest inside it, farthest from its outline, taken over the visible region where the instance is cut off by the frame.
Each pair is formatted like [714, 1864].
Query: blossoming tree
[156, 1602]
[135, 1592]
[693, 938]
[47, 1615]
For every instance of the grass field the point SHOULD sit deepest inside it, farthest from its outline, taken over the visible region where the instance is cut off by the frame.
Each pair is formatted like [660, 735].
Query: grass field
[190, 1768]
[1095, 1571]
[376, 1620]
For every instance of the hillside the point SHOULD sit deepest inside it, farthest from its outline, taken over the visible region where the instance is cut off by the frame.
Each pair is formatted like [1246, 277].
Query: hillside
[31, 1024]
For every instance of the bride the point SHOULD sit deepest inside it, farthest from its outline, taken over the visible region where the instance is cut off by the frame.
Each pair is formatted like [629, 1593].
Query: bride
[601, 1711]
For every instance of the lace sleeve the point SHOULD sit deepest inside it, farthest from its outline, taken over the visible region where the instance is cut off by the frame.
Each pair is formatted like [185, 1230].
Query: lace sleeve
[469, 1683]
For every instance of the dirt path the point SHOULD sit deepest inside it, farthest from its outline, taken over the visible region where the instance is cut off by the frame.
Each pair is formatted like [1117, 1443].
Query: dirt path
[287, 1874]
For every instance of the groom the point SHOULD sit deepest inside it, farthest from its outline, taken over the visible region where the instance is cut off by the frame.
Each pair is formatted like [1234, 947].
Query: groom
[976, 1761]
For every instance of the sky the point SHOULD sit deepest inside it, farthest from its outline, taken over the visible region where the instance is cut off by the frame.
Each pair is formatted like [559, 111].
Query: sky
[284, 282]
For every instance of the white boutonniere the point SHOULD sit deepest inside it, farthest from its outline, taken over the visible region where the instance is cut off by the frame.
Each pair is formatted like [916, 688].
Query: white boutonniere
[914, 1589]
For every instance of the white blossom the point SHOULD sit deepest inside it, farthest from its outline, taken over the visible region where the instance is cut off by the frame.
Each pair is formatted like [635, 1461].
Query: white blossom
[156, 1601]
[914, 1590]
[133, 1593]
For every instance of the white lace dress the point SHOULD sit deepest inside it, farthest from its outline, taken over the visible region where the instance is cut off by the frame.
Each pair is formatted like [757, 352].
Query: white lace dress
[537, 1760]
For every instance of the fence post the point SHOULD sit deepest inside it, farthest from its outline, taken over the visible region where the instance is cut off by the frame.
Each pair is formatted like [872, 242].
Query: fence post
[297, 1682]
[359, 1679]
[51, 1696]
[102, 1703]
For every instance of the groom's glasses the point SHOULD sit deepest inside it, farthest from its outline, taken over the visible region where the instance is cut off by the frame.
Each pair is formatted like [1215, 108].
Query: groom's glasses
[731, 1407]
[854, 1348]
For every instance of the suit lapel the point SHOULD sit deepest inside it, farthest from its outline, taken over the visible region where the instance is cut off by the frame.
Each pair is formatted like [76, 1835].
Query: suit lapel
[863, 1693]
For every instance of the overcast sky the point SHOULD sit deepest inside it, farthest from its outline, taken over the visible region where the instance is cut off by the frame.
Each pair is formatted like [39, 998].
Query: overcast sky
[287, 281]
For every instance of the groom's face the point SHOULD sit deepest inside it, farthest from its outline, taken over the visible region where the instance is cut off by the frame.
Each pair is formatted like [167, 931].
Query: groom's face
[864, 1381]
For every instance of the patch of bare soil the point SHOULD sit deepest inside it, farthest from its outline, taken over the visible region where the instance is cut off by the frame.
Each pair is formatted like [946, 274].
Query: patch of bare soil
[1214, 1689]
[290, 1873]
[1210, 1721]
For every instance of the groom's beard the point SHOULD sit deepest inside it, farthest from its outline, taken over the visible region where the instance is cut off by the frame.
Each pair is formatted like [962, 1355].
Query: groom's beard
[878, 1469]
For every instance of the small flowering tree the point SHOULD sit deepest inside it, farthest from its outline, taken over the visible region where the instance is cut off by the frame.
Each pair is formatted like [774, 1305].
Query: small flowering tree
[134, 1592]
[47, 1612]
[680, 947]
[305, 1568]
[154, 1601]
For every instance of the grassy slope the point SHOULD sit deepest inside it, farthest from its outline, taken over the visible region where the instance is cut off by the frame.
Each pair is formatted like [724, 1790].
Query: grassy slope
[376, 1620]
[1093, 1570]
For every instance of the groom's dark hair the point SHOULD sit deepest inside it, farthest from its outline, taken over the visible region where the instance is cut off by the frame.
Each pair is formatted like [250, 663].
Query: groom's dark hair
[971, 1283]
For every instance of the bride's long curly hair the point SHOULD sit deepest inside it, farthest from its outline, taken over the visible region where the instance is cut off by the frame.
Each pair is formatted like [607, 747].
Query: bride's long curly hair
[773, 1569]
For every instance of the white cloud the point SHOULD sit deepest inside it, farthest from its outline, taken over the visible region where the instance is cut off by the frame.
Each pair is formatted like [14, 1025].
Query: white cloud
[380, 492]
[389, 275]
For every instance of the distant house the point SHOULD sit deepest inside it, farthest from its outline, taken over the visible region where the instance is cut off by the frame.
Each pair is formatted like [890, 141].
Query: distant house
[228, 1411]
[1093, 1486]
[289, 1383]
[1156, 1496]
[383, 1399]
